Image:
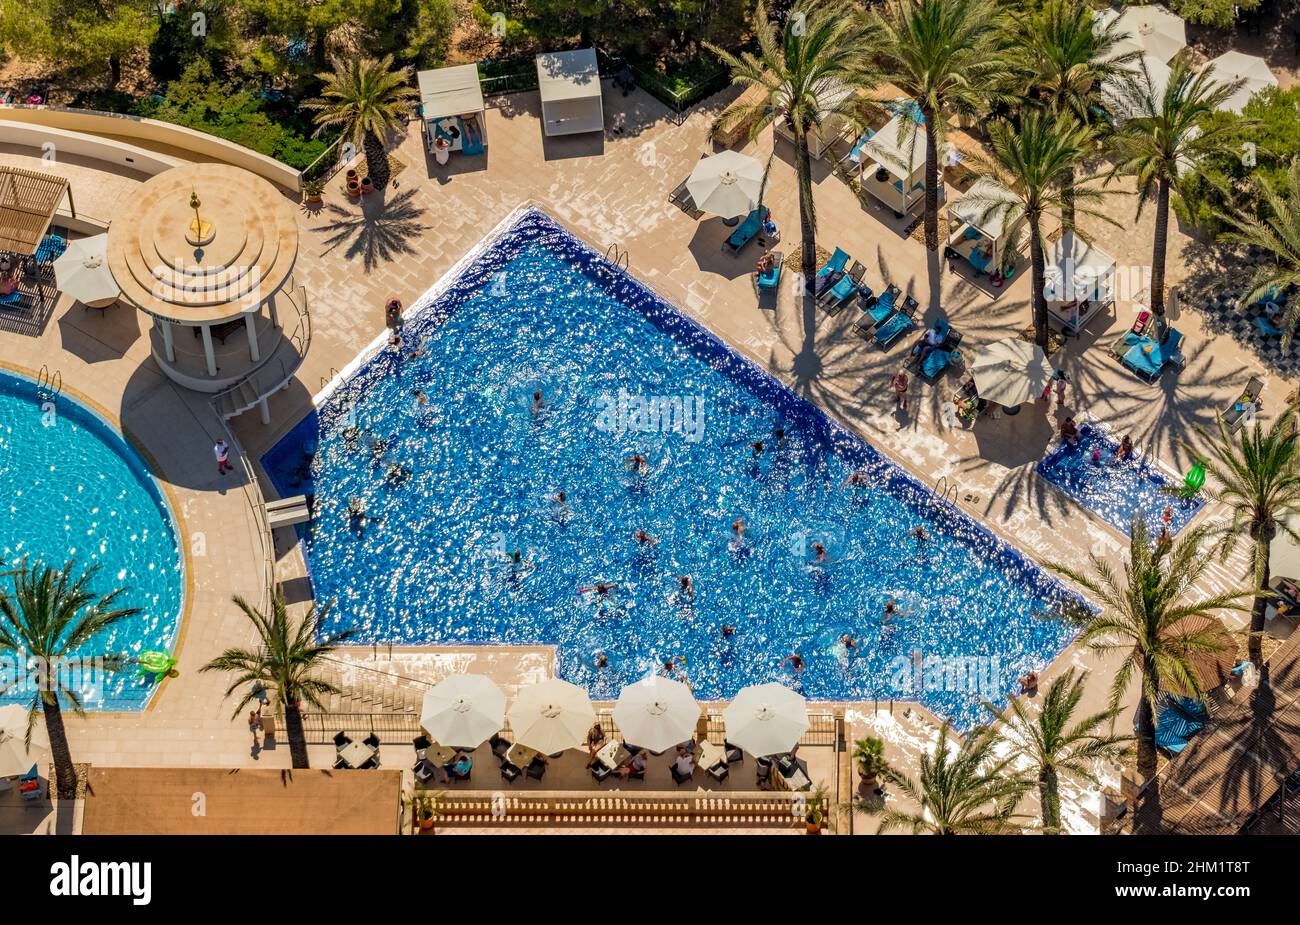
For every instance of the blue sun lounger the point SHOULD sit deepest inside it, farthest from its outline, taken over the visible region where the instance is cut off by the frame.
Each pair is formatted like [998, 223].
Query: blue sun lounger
[769, 279]
[748, 229]
[1266, 326]
[894, 328]
[51, 249]
[1148, 358]
[12, 298]
[876, 311]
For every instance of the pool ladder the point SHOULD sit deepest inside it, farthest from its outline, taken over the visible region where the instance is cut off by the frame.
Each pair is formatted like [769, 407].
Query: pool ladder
[326, 380]
[943, 487]
[49, 384]
[617, 256]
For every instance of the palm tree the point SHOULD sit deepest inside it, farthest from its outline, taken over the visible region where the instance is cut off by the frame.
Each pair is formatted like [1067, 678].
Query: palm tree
[364, 99]
[969, 792]
[1277, 234]
[52, 617]
[941, 53]
[1140, 617]
[1257, 475]
[810, 69]
[1054, 743]
[1067, 60]
[1163, 136]
[1038, 161]
[284, 662]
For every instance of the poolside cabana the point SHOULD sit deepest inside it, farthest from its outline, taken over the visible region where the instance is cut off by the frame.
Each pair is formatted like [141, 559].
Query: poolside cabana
[893, 162]
[980, 226]
[206, 251]
[28, 203]
[451, 110]
[1079, 281]
[569, 84]
[831, 96]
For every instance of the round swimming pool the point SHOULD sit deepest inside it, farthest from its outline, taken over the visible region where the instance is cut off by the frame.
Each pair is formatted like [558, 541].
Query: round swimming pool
[75, 490]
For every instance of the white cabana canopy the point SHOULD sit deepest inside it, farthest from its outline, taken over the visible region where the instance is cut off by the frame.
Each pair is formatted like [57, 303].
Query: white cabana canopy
[569, 84]
[1077, 269]
[1233, 66]
[1151, 30]
[988, 207]
[902, 154]
[450, 91]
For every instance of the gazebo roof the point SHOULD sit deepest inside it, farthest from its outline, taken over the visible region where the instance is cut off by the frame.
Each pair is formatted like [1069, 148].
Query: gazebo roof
[246, 254]
[450, 91]
[28, 201]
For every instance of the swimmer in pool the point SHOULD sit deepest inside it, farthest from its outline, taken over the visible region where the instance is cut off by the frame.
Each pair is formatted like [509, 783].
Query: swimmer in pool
[891, 608]
[637, 463]
[738, 527]
[538, 404]
[421, 398]
[686, 588]
[757, 447]
[795, 661]
[848, 643]
[855, 479]
[601, 660]
[561, 502]
[728, 630]
[819, 552]
[920, 534]
[645, 539]
[780, 435]
[1125, 449]
[601, 588]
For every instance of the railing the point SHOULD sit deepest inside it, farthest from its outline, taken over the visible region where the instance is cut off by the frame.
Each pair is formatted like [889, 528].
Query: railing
[323, 168]
[270, 377]
[562, 809]
[49, 382]
[253, 495]
[678, 101]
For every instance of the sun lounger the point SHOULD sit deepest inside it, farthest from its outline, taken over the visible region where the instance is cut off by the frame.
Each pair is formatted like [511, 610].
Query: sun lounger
[836, 297]
[12, 298]
[894, 328]
[1266, 326]
[835, 264]
[1249, 396]
[877, 312]
[770, 279]
[748, 230]
[1148, 358]
[51, 249]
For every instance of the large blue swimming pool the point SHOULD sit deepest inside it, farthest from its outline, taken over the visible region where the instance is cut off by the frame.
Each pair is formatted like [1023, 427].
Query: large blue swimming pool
[74, 490]
[448, 471]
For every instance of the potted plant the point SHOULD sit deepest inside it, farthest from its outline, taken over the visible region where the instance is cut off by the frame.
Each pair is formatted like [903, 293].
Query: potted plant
[869, 755]
[816, 810]
[426, 809]
[366, 186]
[312, 191]
[352, 185]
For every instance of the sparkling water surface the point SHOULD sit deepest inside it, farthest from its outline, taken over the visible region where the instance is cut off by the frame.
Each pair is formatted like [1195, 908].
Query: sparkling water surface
[430, 468]
[74, 489]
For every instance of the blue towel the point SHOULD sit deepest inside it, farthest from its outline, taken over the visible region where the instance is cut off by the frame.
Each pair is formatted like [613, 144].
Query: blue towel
[837, 262]
[935, 362]
[883, 307]
[892, 329]
[770, 278]
[748, 229]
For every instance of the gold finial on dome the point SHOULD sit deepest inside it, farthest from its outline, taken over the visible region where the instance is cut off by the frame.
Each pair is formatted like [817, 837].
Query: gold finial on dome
[199, 231]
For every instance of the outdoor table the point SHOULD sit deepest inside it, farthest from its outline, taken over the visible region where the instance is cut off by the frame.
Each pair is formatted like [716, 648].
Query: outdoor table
[440, 755]
[521, 756]
[712, 755]
[612, 754]
[355, 754]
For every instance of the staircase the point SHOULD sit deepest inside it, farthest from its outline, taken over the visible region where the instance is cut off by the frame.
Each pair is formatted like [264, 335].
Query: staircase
[279, 369]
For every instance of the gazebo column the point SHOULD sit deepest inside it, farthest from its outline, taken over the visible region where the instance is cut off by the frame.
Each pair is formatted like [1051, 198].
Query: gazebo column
[275, 316]
[169, 345]
[264, 410]
[208, 353]
[250, 322]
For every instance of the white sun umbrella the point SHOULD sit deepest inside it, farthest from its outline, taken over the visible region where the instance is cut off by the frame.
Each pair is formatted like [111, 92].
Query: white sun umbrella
[551, 716]
[15, 757]
[1148, 72]
[1152, 30]
[1233, 66]
[82, 271]
[656, 713]
[766, 719]
[463, 710]
[1010, 371]
[727, 184]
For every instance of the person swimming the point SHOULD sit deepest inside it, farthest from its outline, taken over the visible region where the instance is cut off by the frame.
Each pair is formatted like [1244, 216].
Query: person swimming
[421, 398]
[645, 539]
[727, 630]
[738, 527]
[637, 463]
[757, 447]
[848, 642]
[780, 435]
[686, 588]
[601, 588]
[920, 535]
[856, 478]
[819, 552]
[601, 660]
[538, 404]
[795, 661]
[1125, 449]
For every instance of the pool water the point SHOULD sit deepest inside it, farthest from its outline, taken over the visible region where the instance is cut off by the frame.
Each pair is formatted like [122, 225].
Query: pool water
[1117, 492]
[75, 490]
[429, 469]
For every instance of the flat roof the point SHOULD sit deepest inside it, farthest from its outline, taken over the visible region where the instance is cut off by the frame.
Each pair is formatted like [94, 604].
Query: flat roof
[242, 801]
[28, 201]
[903, 157]
[568, 75]
[450, 91]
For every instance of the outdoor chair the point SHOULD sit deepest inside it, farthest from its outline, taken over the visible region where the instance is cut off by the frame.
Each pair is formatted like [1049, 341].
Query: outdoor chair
[1266, 326]
[678, 777]
[770, 279]
[1236, 412]
[370, 764]
[11, 298]
[747, 231]
[735, 754]
[342, 740]
[509, 773]
[423, 770]
[837, 296]
[889, 332]
[600, 772]
[372, 740]
[536, 769]
[421, 744]
[499, 745]
[340, 764]
[719, 772]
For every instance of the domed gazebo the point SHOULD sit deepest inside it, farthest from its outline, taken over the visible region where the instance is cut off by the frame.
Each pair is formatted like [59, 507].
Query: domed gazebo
[206, 250]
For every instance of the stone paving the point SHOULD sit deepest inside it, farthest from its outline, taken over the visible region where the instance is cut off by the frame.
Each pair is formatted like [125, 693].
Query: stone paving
[612, 189]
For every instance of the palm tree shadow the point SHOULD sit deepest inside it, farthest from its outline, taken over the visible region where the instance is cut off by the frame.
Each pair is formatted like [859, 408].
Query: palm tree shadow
[381, 231]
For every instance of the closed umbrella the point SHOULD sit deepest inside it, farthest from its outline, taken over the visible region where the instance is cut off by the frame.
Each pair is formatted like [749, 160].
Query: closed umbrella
[15, 757]
[656, 713]
[727, 184]
[82, 272]
[551, 716]
[766, 719]
[1010, 371]
[1152, 30]
[463, 710]
[1233, 66]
